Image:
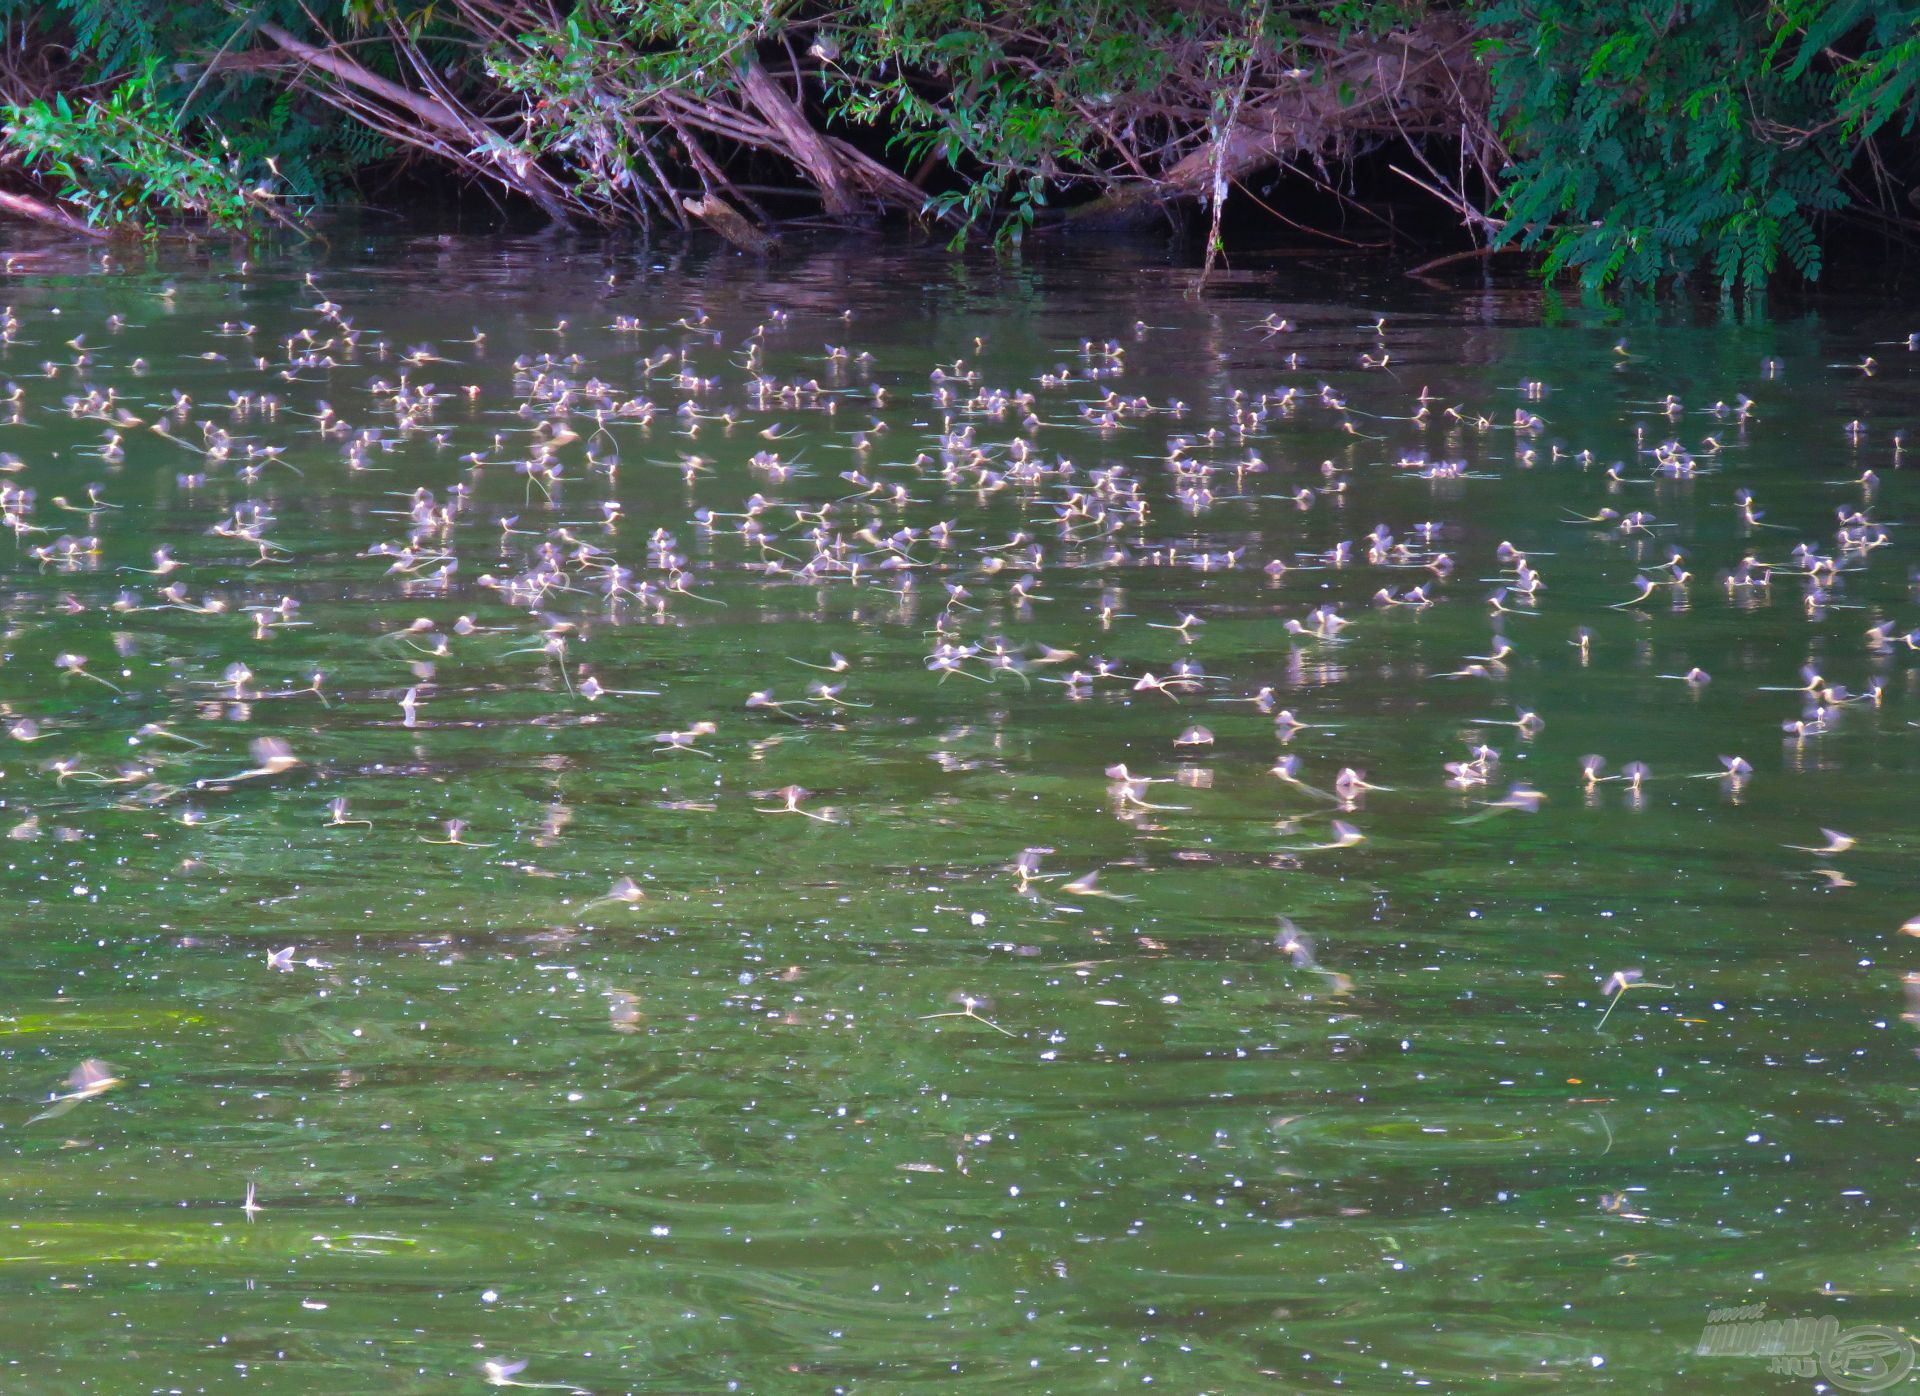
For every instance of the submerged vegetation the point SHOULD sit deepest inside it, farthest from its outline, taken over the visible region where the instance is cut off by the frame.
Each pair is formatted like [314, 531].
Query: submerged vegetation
[1637, 144]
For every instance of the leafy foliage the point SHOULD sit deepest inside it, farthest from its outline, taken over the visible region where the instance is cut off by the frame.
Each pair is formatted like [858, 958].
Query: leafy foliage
[139, 129]
[1654, 141]
[120, 164]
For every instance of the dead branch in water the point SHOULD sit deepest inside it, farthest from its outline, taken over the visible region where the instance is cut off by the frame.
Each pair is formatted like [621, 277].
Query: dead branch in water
[40, 211]
[600, 113]
[727, 221]
[522, 176]
[807, 148]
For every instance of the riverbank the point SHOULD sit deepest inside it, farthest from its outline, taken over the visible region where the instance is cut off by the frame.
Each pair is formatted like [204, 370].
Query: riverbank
[1726, 142]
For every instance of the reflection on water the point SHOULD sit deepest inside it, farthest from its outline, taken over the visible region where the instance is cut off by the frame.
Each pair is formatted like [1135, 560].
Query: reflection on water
[881, 820]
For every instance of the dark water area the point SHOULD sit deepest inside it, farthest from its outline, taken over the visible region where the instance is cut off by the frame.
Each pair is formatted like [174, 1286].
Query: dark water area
[698, 646]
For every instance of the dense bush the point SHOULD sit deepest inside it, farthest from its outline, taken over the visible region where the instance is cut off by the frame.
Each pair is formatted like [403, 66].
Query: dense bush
[1630, 143]
[1712, 134]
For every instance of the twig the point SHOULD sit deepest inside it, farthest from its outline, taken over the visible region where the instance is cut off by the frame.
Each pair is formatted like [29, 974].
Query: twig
[1471, 254]
[1457, 203]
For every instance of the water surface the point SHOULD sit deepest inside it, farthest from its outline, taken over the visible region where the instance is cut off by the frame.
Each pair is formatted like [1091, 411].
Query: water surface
[651, 1083]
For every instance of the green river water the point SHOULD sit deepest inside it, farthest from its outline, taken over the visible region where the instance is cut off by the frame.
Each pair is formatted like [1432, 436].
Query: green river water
[656, 1077]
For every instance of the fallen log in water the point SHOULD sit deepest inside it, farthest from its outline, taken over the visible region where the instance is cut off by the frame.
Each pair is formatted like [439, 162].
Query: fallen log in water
[40, 211]
[728, 221]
